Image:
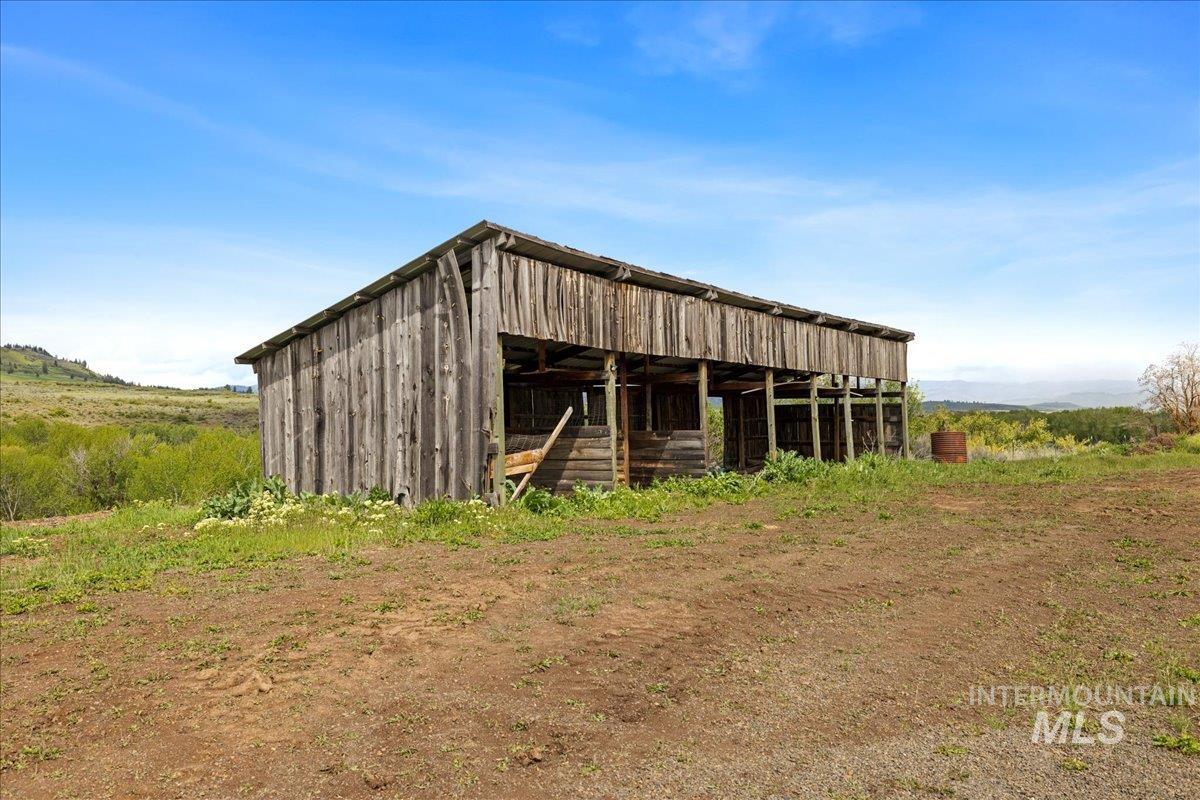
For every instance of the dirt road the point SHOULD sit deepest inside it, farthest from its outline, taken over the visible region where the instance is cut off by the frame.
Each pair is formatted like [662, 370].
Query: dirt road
[769, 650]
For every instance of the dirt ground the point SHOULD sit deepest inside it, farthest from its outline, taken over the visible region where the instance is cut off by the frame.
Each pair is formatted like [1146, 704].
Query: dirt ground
[768, 650]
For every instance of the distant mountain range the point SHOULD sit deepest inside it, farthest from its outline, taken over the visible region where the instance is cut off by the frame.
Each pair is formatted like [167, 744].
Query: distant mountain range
[1041, 395]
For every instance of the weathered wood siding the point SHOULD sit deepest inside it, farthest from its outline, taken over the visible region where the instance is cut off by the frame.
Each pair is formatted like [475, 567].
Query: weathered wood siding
[544, 301]
[661, 454]
[390, 394]
[581, 454]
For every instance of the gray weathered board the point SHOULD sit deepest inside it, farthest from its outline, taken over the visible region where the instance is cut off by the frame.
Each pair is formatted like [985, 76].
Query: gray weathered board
[545, 301]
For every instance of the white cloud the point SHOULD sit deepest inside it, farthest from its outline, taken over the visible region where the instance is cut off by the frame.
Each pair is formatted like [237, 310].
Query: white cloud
[704, 37]
[720, 38]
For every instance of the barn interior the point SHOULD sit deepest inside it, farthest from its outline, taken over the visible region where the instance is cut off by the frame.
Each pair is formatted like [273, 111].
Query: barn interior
[641, 417]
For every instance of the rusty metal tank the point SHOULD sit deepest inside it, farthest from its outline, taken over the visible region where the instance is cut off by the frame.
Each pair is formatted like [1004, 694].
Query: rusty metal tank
[949, 447]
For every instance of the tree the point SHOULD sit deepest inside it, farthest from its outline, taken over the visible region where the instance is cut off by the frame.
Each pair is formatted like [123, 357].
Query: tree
[1174, 387]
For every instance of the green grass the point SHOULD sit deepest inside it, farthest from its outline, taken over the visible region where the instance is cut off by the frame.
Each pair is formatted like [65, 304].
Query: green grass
[132, 546]
[96, 403]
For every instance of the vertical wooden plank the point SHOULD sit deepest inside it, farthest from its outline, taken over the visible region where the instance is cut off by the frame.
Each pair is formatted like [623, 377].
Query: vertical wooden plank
[770, 397]
[847, 417]
[814, 417]
[906, 449]
[647, 393]
[431, 416]
[388, 404]
[295, 435]
[304, 408]
[880, 442]
[259, 367]
[349, 442]
[319, 414]
[836, 424]
[702, 397]
[740, 406]
[487, 352]
[498, 428]
[610, 406]
[625, 449]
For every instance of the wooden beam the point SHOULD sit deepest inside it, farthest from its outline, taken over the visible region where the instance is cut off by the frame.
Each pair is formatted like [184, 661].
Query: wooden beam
[541, 354]
[847, 418]
[879, 442]
[814, 418]
[702, 396]
[563, 353]
[769, 388]
[905, 448]
[610, 407]
[625, 419]
[673, 377]
[560, 375]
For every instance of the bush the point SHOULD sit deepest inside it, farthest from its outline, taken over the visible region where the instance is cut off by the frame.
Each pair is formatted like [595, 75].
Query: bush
[86, 469]
[1189, 444]
[210, 462]
[237, 502]
[789, 467]
[32, 485]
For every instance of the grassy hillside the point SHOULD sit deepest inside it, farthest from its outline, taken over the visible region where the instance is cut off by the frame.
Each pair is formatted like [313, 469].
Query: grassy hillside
[34, 383]
[36, 363]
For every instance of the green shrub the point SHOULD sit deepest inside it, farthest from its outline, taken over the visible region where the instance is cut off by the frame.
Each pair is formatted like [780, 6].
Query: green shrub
[1188, 444]
[32, 485]
[207, 463]
[540, 501]
[233, 503]
[789, 467]
[90, 468]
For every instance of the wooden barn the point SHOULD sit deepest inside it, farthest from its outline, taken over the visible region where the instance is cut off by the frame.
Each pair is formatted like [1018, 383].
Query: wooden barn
[499, 356]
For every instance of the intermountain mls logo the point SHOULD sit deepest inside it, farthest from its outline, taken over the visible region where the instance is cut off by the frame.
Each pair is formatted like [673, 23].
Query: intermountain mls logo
[1105, 725]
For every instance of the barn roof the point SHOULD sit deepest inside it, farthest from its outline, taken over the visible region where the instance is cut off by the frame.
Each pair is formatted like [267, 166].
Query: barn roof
[531, 246]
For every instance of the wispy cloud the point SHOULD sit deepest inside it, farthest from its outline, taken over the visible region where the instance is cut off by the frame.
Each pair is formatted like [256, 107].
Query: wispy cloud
[574, 30]
[855, 22]
[723, 38]
[703, 38]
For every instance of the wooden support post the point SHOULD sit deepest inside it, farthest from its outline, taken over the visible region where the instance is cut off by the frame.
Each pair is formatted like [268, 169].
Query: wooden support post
[905, 447]
[498, 428]
[647, 393]
[847, 417]
[610, 408]
[880, 445]
[541, 354]
[625, 420]
[702, 396]
[770, 393]
[837, 422]
[740, 405]
[814, 417]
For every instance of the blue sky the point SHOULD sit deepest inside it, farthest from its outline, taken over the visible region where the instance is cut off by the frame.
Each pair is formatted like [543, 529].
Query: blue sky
[1017, 183]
